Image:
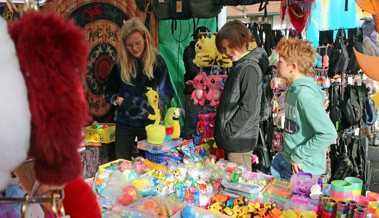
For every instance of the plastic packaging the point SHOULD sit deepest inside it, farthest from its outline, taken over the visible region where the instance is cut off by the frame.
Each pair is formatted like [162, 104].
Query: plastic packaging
[302, 183]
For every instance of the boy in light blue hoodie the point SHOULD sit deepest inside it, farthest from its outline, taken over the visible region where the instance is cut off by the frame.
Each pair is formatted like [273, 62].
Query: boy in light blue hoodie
[308, 130]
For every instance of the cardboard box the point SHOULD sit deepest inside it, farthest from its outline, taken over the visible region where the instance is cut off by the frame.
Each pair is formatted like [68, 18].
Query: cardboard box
[106, 135]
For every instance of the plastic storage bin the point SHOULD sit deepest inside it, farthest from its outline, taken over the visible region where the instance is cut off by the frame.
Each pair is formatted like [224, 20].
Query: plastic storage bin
[159, 158]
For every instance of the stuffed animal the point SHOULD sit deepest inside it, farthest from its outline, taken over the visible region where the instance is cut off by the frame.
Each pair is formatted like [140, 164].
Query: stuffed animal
[15, 114]
[153, 99]
[156, 133]
[171, 121]
[205, 51]
[215, 86]
[223, 60]
[45, 105]
[199, 83]
[52, 70]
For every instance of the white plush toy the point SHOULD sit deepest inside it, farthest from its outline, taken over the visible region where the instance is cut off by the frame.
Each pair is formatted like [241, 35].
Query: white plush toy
[14, 111]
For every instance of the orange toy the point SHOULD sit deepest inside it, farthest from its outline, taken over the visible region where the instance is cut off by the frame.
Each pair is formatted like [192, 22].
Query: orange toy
[275, 213]
[221, 198]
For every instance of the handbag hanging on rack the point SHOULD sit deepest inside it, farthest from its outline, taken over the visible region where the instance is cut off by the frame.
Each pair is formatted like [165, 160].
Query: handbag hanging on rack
[345, 166]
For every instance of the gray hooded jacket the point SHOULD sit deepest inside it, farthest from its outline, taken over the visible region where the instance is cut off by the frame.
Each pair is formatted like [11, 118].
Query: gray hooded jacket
[237, 118]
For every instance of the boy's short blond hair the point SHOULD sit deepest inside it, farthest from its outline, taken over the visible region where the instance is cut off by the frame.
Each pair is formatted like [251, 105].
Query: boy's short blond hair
[297, 51]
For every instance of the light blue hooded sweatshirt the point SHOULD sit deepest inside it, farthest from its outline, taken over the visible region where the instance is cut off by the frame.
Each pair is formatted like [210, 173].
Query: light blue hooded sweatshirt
[308, 129]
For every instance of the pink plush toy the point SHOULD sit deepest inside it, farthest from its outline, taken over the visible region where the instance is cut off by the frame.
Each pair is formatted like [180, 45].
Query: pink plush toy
[215, 86]
[212, 117]
[200, 92]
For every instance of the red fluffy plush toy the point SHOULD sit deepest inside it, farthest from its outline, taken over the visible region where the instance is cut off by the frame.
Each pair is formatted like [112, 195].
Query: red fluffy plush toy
[52, 55]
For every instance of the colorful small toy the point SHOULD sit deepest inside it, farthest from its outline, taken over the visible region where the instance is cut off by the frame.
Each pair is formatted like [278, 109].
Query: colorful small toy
[216, 207]
[129, 196]
[171, 122]
[325, 59]
[228, 211]
[241, 201]
[199, 84]
[302, 183]
[139, 166]
[125, 165]
[221, 198]
[215, 86]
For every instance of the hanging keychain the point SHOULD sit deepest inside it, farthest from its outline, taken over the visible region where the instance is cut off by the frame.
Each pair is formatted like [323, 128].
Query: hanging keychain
[325, 59]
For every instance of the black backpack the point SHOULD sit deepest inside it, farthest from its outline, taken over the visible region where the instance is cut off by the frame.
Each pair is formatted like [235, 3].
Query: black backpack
[335, 106]
[338, 55]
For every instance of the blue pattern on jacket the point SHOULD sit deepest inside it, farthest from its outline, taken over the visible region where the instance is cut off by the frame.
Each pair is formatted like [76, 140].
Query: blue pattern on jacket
[135, 107]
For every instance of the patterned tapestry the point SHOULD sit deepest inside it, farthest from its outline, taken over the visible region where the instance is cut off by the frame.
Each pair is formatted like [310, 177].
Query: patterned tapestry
[101, 22]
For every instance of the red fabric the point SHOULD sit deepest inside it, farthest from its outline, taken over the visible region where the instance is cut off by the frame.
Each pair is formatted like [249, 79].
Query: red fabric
[79, 200]
[297, 17]
[297, 13]
[53, 56]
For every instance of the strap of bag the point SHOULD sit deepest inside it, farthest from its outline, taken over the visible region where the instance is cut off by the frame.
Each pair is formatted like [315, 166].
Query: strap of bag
[262, 6]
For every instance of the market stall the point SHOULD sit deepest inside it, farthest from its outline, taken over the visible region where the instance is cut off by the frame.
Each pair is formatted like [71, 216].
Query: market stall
[178, 177]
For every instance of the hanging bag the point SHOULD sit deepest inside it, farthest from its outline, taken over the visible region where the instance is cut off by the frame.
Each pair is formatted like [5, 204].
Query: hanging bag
[334, 106]
[161, 9]
[338, 55]
[180, 9]
[370, 111]
[205, 8]
[345, 166]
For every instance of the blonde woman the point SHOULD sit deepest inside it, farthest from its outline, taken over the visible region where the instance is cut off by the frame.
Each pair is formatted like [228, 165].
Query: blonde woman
[139, 66]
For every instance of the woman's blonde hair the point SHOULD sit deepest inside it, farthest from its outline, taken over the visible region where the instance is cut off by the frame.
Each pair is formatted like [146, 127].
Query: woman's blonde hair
[297, 51]
[127, 61]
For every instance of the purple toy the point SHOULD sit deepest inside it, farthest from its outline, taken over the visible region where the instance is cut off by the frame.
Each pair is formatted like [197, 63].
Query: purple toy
[302, 183]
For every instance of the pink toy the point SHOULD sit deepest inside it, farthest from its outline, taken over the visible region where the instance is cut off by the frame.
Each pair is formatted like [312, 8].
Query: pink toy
[199, 84]
[325, 59]
[212, 117]
[277, 141]
[129, 196]
[125, 165]
[139, 167]
[214, 83]
[302, 183]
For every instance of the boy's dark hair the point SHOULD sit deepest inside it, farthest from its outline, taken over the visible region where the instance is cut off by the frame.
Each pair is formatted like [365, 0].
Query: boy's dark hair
[236, 32]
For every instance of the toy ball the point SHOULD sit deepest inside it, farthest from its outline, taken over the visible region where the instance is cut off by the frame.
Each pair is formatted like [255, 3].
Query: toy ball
[139, 167]
[129, 196]
[105, 126]
[125, 165]
[97, 126]
[93, 124]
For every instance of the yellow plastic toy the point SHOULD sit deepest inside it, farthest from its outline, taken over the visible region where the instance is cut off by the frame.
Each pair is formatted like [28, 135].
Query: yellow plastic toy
[155, 133]
[205, 51]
